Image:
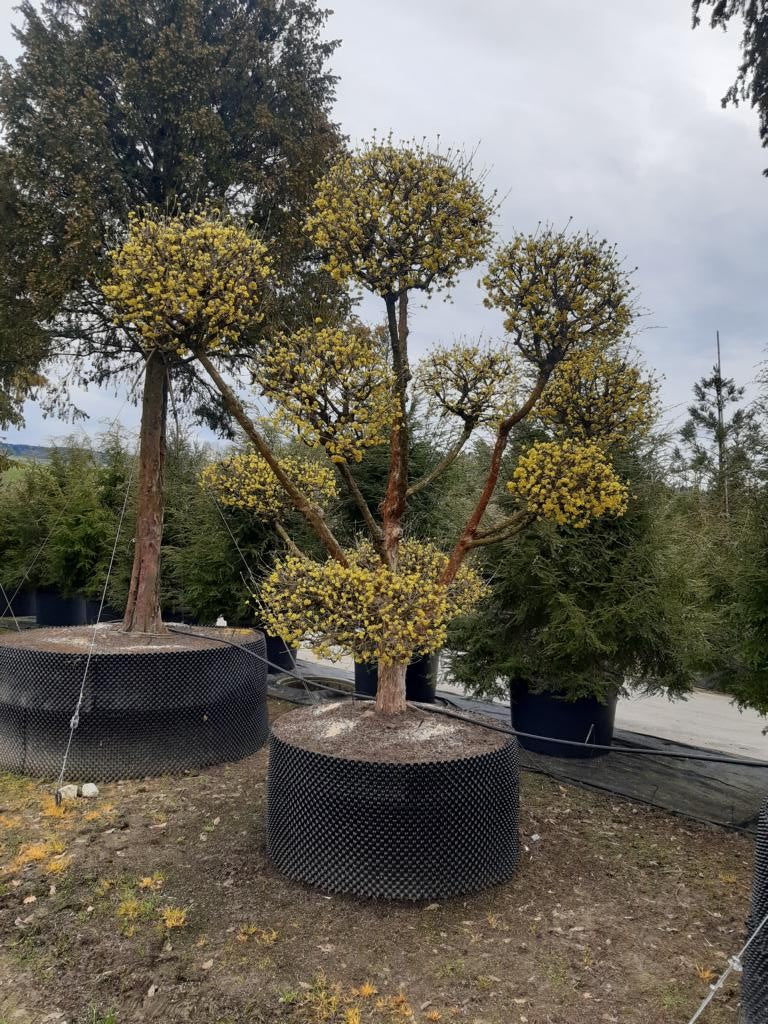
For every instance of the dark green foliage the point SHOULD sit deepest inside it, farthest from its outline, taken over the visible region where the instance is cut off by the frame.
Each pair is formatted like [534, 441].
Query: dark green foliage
[752, 77]
[69, 509]
[584, 612]
[26, 497]
[438, 511]
[118, 104]
[204, 573]
[725, 458]
[749, 618]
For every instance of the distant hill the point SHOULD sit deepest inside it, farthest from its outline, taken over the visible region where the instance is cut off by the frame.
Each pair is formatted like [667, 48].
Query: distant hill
[28, 452]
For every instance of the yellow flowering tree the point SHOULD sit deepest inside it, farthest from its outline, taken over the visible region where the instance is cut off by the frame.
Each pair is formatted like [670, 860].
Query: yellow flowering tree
[178, 285]
[599, 395]
[567, 482]
[246, 481]
[398, 220]
[365, 608]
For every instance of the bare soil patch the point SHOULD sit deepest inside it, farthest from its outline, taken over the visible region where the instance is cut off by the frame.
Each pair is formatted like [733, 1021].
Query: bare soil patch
[353, 730]
[156, 902]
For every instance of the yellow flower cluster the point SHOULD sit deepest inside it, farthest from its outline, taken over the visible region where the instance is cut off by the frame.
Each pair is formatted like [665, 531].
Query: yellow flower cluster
[600, 396]
[246, 481]
[568, 482]
[365, 609]
[187, 282]
[333, 386]
[397, 217]
[478, 383]
[558, 292]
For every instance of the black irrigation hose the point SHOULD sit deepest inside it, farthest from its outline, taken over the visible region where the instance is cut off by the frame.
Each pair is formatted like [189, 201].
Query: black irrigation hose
[710, 758]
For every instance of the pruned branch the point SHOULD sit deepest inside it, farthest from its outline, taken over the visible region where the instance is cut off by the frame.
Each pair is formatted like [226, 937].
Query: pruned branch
[351, 484]
[310, 511]
[469, 532]
[502, 531]
[448, 459]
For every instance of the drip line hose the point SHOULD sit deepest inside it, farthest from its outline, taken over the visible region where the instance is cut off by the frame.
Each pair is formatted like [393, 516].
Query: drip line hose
[508, 731]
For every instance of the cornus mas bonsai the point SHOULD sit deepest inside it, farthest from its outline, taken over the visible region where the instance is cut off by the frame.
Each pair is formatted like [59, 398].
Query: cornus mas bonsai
[399, 220]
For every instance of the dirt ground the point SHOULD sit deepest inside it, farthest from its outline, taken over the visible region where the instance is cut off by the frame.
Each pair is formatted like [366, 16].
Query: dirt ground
[155, 902]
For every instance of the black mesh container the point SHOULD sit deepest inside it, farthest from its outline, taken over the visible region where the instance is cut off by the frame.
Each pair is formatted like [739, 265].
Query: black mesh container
[145, 712]
[754, 982]
[419, 831]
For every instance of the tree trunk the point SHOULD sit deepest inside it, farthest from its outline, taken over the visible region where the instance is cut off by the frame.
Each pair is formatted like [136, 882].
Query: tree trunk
[142, 612]
[390, 690]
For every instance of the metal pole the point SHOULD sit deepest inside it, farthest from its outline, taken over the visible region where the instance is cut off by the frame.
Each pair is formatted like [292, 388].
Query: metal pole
[721, 452]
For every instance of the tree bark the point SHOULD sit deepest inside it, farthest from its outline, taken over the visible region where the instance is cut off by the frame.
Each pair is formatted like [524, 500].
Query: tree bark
[464, 543]
[142, 612]
[393, 506]
[390, 689]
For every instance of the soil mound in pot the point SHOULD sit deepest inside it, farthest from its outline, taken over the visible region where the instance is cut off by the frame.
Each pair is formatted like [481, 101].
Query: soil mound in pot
[353, 730]
[416, 806]
[150, 704]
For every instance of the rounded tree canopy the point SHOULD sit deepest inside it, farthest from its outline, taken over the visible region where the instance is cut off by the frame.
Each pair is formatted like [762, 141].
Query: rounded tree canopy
[473, 381]
[559, 292]
[191, 282]
[568, 483]
[365, 609]
[333, 386]
[393, 217]
[599, 395]
[246, 481]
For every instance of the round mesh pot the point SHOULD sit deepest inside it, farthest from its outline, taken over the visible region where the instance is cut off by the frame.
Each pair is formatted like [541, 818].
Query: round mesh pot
[421, 831]
[754, 981]
[150, 711]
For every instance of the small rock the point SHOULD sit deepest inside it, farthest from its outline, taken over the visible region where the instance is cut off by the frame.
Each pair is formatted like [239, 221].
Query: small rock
[90, 790]
[68, 792]
[151, 991]
[207, 965]
[30, 899]
[221, 621]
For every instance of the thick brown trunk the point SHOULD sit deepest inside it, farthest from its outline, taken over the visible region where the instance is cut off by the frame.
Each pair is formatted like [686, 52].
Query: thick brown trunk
[142, 612]
[390, 690]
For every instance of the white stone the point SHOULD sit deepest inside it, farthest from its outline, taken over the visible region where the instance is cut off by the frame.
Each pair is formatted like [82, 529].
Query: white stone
[68, 792]
[221, 621]
[90, 789]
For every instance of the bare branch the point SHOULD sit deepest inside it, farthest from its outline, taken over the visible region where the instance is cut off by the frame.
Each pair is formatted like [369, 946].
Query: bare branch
[351, 484]
[448, 459]
[310, 511]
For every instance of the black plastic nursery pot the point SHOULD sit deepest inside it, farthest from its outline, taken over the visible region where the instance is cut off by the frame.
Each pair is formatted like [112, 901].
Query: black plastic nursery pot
[148, 708]
[420, 679]
[52, 608]
[22, 605]
[438, 825]
[280, 655]
[585, 720]
[95, 613]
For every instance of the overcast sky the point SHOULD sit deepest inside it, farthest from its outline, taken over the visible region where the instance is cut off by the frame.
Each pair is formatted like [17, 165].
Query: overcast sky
[604, 111]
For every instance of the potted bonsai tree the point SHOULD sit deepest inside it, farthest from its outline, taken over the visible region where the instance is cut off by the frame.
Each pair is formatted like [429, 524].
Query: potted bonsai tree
[205, 287]
[360, 798]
